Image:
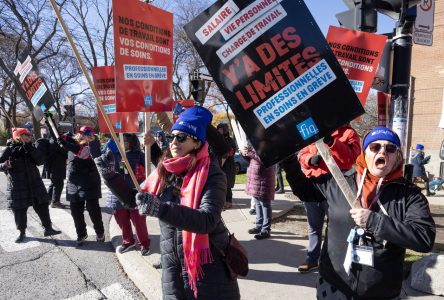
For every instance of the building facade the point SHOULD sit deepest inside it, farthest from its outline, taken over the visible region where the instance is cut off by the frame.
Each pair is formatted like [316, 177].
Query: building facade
[427, 117]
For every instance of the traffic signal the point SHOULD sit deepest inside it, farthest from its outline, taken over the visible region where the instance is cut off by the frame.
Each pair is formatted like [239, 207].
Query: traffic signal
[198, 90]
[362, 16]
[69, 110]
[393, 8]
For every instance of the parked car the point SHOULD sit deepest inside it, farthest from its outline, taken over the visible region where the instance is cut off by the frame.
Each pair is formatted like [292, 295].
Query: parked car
[241, 164]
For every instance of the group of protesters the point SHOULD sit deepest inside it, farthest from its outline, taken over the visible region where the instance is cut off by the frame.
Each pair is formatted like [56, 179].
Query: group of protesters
[364, 247]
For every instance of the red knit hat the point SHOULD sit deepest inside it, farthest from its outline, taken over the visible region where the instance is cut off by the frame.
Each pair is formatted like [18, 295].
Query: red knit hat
[18, 132]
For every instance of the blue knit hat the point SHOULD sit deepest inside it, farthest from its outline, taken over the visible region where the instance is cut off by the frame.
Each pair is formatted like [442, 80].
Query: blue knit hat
[381, 133]
[419, 147]
[194, 121]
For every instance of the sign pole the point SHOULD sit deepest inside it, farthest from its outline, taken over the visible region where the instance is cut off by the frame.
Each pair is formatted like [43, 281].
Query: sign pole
[147, 147]
[335, 172]
[7, 116]
[96, 95]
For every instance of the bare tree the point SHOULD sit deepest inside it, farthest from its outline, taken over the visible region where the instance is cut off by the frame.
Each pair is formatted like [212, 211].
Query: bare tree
[25, 26]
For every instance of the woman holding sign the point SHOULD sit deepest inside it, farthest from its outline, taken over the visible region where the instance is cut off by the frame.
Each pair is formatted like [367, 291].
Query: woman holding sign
[363, 254]
[187, 193]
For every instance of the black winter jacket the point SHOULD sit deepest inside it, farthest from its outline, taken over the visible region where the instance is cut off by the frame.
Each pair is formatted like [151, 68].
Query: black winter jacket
[229, 167]
[25, 186]
[55, 165]
[173, 218]
[84, 181]
[409, 225]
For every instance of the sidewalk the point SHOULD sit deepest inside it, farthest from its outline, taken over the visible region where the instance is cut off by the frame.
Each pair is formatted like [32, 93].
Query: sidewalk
[273, 262]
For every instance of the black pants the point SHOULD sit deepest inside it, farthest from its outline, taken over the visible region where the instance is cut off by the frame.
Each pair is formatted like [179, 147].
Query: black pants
[229, 195]
[279, 179]
[55, 189]
[93, 208]
[42, 210]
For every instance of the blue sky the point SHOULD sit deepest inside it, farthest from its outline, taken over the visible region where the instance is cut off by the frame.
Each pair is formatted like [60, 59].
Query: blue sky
[324, 12]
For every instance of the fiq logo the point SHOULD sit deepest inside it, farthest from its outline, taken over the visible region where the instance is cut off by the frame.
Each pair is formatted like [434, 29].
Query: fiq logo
[307, 129]
[118, 125]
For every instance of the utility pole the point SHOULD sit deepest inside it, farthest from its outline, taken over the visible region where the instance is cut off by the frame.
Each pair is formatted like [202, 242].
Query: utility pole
[361, 16]
[400, 89]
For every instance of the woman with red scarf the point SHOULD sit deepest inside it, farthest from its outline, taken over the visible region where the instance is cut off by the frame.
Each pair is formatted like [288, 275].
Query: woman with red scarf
[187, 193]
[363, 253]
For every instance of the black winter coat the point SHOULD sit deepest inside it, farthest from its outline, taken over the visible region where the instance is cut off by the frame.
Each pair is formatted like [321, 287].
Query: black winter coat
[173, 218]
[25, 186]
[229, 167]
[409, 225]
[84, 181]
[55, 165]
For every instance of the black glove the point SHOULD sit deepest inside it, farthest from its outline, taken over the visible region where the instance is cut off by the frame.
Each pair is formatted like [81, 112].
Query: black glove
[315, 160]
[328, 139]
[149, 204]
[5, 165]
[61, 141]
[94, 148]
[106, 165]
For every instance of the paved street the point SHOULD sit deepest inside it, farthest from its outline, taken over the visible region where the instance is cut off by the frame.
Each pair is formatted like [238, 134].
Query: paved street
[55, 268]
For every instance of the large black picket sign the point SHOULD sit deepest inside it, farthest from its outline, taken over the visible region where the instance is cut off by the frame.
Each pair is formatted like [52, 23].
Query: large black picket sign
[285, 87]
[36, 90]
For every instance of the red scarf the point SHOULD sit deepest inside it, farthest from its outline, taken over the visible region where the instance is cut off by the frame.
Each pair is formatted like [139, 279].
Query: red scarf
[196, 247]
[371, 182]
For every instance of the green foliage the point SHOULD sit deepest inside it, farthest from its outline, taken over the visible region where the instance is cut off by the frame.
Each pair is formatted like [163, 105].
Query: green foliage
[3, 137]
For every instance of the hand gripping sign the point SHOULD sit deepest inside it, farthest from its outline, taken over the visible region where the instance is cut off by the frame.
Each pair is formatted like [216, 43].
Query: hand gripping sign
[276, 71]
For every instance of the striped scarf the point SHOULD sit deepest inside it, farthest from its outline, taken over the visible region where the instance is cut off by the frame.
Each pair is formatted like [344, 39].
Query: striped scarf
[196, 247]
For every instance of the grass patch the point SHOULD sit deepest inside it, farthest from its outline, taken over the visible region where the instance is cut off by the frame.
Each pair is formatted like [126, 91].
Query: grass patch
[242, 178]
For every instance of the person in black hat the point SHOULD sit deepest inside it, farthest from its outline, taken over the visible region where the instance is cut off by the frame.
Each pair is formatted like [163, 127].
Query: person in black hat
[227, 163]
[419, 160]
[187, 193]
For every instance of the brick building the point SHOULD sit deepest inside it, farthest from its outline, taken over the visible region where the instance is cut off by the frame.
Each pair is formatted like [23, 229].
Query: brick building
[428, 93]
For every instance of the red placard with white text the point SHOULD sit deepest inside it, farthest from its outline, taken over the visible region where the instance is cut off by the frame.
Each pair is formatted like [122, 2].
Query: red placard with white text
[143, 48]
[104, 83]
[358, 53]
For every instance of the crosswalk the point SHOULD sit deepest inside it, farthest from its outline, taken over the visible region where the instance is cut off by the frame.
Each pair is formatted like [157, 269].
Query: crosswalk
[113, 292]
[61, 219]
[47, 182]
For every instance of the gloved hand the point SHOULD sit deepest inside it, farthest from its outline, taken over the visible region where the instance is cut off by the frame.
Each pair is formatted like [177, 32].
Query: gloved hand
[149, 204]
[5, 165]
[328, 139]
[106, 165]
[61, 141]
[94, 148]
[315, 160]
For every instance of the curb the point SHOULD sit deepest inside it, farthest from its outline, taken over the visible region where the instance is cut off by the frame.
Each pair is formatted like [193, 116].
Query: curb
[140, 269]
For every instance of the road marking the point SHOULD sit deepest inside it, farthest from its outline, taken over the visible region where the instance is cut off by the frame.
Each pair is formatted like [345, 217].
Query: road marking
[113, 292]
[116, 291]
[62, 219]
[9, 233]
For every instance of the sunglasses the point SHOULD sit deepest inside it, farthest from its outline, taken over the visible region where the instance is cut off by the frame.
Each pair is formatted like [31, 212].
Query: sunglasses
[180, 137]
[376, 147]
